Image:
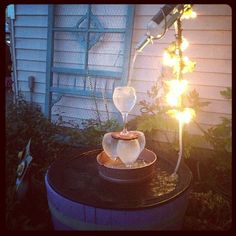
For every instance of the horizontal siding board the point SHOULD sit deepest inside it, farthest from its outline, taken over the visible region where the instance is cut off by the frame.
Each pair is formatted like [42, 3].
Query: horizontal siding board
[210, 79]
[209, 23]
[145, 75]
[210, 92]
[38, 87]
[213, 65]
[70, 9]
[94, 58]
[73, 113]
[218, 106]
[31, 9]
[201, 9]
[147, 62]
[109, 9]
[193, 36]
[193, 51]
[40, 44]
[147, 9]
[202, 65]
[34, 55]
[106, 37]
[209, 51]
[38, 98]
[213, 9]
[191, 127]
[160, 136]
[209, 37]
[31, 65]
[107, 22]
[31, 21]
[194, 78]
[97, 9]
[202, 118]
[79, 119]
[199, 23]
[40, 77]
[75, 46]
[31, 32]
[91, 67]
[85, 103]
[210, 118]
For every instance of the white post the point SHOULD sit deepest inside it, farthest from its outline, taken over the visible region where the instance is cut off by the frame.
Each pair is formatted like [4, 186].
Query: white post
[180, 147]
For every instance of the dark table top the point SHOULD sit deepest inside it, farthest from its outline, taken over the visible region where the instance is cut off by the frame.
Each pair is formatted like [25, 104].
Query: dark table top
[77, 178]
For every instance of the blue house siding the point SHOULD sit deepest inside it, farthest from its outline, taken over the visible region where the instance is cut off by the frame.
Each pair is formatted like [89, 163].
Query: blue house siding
[209, 35]
[30, 46]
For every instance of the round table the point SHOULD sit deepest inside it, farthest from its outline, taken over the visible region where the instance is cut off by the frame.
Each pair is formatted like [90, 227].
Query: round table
[80, 199]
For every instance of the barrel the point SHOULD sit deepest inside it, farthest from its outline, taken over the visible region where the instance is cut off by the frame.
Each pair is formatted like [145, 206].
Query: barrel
[69, 214]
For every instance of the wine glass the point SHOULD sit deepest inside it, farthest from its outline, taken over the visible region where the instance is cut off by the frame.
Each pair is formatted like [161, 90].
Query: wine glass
[124, 99]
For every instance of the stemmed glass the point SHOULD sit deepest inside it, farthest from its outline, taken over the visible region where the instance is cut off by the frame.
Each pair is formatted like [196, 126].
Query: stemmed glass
[124, 99]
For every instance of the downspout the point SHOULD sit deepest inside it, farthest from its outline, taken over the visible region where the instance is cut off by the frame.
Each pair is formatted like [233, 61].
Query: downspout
[13, 55]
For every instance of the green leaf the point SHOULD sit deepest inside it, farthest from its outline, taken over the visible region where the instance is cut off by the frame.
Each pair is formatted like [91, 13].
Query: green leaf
[227, 93]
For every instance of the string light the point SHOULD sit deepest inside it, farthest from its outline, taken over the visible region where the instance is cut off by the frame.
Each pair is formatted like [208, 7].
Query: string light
[177, 87]
[168, 59]
[184, 44]
[172, 99]
[184, 116]
[188, 13]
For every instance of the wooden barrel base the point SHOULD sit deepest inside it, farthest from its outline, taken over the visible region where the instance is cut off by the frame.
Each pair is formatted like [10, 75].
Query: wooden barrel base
[80, 199]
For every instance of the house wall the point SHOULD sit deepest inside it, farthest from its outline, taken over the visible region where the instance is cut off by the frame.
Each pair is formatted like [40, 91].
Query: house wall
[31, 49]
[209, 35]
[210, 46]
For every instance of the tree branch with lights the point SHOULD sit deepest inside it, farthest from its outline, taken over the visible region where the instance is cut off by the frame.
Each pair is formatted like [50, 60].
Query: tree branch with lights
[173, 57]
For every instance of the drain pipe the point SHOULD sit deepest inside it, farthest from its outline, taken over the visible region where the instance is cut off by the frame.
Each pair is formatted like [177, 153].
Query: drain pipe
[13, 57]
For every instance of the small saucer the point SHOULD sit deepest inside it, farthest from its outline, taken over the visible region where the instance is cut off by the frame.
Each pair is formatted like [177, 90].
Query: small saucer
[116, 171]
[130, 136]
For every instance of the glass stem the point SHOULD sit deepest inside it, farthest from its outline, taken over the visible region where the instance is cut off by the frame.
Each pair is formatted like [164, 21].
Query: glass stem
[125, 116]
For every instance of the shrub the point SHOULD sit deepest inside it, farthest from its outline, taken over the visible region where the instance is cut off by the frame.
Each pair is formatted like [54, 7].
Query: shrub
[208, 211]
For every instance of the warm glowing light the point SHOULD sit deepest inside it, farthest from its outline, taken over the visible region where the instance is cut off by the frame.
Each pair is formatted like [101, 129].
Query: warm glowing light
[177, 87]
[172, 99]
[184, 44]
[184, 116]
[188, 65]
[168, 60]
[189, 14]
[193, 14]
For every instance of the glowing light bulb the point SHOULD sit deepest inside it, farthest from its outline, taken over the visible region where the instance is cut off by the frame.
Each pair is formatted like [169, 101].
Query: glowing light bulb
[189, 14]
[177, 87]
[184, 116]
[172, 99]
[184, 44]
[168, 60]
[194, 14]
